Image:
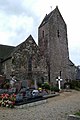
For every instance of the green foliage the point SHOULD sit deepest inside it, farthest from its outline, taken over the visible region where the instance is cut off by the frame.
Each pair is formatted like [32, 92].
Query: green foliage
[46, 86]
[77, 113]
[74, 84]
[55, 88]
[52, 88]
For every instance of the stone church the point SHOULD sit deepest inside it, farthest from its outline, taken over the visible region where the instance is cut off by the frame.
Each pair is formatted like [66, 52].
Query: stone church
[45, 61]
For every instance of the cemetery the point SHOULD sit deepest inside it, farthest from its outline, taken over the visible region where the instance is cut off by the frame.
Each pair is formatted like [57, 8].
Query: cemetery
[17, 93]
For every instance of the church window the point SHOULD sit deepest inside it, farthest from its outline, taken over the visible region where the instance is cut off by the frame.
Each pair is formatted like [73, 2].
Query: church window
[30, 64]
[30, 68]
[12, 60]
[43, 33]
[58, 34]
[42, 80]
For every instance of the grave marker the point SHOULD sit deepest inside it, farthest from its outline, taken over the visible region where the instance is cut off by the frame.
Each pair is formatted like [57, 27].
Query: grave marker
[59, 82]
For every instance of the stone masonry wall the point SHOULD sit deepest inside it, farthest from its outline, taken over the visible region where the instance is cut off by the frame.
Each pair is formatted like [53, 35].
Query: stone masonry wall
[54, 44]
[27, 55]
[7, 68]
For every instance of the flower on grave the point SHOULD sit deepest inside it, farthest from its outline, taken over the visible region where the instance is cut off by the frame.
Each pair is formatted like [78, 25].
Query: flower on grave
[10, 104]
[12, 97]
[7, 105]
[7, 100]
[4, 96]
[3, 103]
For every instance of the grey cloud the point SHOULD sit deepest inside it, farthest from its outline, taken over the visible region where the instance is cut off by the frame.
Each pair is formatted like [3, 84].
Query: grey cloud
[16, 7]
[11, 6]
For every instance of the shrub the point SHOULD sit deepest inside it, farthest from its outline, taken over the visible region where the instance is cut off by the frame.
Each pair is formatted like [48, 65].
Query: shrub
[46, 86]
[55, 88]
[77, 113]
[75, 84]
[52, 88]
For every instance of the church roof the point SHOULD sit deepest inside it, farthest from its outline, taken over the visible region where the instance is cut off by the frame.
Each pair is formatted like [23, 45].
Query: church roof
[46, 18]
[71, 63]
[5, 51]
[30, 38]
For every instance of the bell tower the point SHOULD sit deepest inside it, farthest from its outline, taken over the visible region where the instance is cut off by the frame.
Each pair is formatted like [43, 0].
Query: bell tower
[53, 44]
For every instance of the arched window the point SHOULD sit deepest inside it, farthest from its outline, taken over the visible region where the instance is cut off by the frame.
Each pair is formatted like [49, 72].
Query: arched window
[43, 34]
[30, 64]
[58, 34]
[30, 68]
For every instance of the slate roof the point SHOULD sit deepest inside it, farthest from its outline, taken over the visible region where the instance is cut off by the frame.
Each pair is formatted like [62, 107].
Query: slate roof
[46, 18]
[71, 63]
[5, 51]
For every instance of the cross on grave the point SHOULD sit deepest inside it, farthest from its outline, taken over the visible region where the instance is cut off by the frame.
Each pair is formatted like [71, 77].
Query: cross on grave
[35, 84]
[59, 82]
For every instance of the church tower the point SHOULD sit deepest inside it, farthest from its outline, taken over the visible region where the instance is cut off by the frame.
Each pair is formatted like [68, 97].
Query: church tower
[53, 44]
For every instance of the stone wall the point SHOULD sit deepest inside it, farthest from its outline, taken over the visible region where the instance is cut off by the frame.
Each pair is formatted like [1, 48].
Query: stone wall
[78, 72]
[54, 44]
[27, 63]
[0, 66]
[7, 68]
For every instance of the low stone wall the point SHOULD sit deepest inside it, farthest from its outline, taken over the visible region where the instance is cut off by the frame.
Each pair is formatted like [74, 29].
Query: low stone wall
[38, 102]
[31, 104]
[73, 117]
[51, 95]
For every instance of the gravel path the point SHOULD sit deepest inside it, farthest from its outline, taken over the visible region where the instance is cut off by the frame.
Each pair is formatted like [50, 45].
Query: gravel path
[57, 108]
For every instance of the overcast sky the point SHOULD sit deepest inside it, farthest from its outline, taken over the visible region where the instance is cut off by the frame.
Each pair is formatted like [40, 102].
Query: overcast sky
[20, 18]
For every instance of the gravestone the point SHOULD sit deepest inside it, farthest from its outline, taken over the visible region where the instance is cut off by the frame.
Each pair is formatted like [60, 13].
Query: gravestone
[24, 84]
[59, 82]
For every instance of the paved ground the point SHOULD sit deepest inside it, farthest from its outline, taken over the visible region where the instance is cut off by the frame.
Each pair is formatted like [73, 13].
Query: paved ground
[57, 108]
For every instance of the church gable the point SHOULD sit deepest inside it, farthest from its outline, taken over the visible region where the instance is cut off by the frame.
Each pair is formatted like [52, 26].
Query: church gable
[27, 44]
[55, 13]
[27, 61]
[23, 55]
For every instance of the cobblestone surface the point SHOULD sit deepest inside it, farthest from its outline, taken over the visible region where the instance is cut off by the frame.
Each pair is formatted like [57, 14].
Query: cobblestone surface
[57, 108]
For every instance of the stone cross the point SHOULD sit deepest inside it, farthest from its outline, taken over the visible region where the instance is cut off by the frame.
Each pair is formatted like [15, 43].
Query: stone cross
[59, 82]
[35, 84]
